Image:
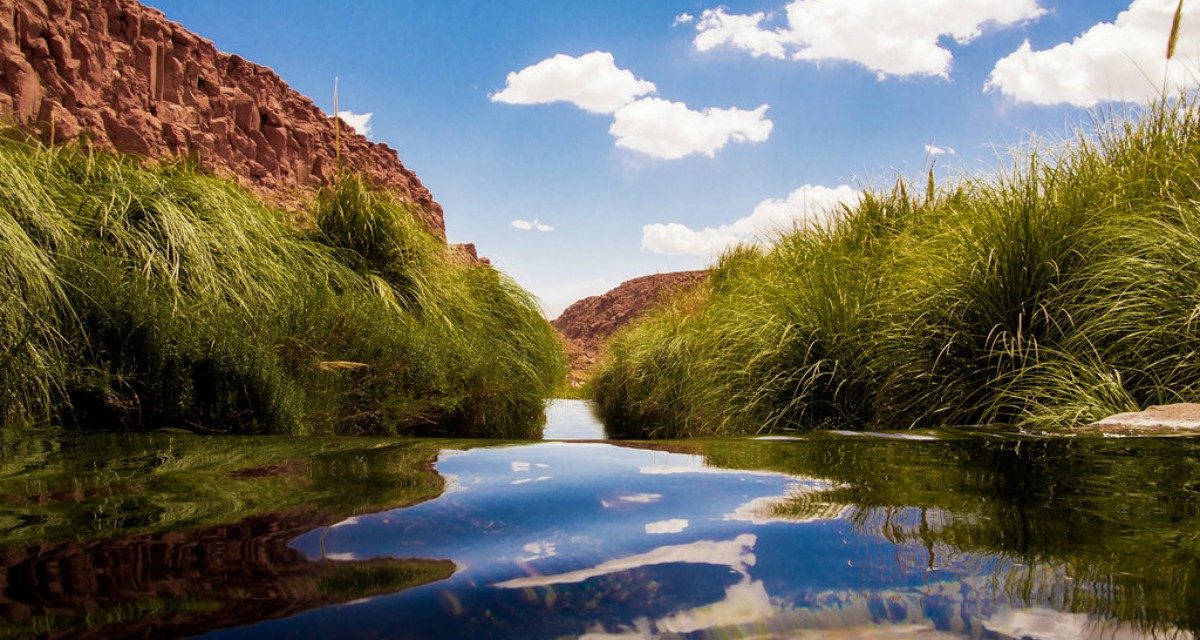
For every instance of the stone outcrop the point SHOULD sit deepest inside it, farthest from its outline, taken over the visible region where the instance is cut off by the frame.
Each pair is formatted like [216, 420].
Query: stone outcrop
[589, 323]
[125, 77]
[1170, 419]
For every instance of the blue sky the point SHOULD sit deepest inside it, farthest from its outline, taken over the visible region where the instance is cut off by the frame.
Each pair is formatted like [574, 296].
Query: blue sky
[428, 71]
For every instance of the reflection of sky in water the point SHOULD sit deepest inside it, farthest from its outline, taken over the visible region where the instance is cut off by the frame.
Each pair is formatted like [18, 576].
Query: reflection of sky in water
[572, 420]
[562, 539]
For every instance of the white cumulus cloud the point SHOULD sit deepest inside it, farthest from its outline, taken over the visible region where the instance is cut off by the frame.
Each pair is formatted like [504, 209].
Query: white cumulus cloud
[889, 37]
[808, 206]
[934, 151]
[360, 122]
[669, 130]
[1124, 60]
[739, 31]
[593, 82]
[531, 225]
[656, 127]
[683, 18]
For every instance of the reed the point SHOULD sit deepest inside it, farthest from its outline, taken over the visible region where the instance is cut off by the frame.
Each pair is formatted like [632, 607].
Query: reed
[1058, 291]
[146, 296]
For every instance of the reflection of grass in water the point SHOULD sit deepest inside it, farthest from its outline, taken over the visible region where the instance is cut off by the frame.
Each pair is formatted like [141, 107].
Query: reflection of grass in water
[322, 583]
[49, 624]
[80, 487]
[1121, 519]
[380, 576]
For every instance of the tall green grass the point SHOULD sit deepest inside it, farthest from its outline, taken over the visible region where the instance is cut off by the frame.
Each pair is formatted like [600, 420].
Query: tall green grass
[138, 297]
[1062, 290]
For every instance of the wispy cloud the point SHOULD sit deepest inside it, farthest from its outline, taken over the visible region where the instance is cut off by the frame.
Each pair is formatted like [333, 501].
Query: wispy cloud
[531, 225]
[933, 151]
[683, 18]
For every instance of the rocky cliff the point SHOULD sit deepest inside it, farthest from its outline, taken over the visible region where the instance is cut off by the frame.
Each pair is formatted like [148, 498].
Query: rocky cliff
[589, 323]
[241, 573]
[124, 76]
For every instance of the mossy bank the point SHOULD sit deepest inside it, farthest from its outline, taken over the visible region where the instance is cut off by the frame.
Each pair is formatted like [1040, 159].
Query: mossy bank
[139, 296]
[1064, 289]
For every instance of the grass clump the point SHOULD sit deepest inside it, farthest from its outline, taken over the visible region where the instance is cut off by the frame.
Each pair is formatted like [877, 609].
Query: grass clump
[143, 297]
[1061, 291]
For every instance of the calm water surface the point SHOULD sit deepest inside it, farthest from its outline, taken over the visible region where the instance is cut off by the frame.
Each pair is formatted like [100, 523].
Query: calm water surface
[933, 535]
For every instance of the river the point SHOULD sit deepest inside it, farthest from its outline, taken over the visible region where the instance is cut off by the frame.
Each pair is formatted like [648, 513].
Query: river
[939, 534]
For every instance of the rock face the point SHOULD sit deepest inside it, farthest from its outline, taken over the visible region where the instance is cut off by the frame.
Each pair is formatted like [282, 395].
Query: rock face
[1171, 419]
[124, 76]
[589, 323]
[243, 572]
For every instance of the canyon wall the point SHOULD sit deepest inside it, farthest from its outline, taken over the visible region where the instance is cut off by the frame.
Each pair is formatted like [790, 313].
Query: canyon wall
[125, 77]
[589, 323]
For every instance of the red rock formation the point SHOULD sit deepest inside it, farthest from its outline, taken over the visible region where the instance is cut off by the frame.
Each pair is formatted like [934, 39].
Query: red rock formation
[128, 78]
[589, 323]
[238, 573]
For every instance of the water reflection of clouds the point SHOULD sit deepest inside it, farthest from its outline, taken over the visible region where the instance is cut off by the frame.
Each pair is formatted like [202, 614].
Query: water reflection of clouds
[737, 554]
[528, 480]
[767, 509]
[520, 466]
[539, 550]
[762, 509]
[644, 504]
[674, 525]
[748, 610]
[1039, 622]
[453, 484]
[753, 553]
[635, 498]
[745, 602]
[646, 495]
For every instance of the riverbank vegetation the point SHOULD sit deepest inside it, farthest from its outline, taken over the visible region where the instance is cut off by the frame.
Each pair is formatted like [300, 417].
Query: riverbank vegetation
[72, 487]
[1060, 291]
[1032, 502]
[175, 534]
[140, 296]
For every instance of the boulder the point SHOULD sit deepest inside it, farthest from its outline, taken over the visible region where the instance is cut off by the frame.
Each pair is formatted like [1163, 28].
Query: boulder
[1170, 419]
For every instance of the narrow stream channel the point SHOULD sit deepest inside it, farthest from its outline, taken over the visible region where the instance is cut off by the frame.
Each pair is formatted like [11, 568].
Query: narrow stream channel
[951, 534]
[572, 420]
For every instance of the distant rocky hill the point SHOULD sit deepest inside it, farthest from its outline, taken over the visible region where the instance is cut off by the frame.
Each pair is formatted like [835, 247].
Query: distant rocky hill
[589, 323]
[128, 78]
